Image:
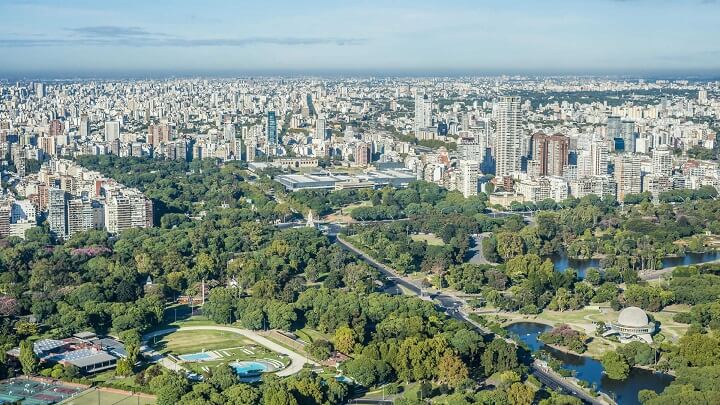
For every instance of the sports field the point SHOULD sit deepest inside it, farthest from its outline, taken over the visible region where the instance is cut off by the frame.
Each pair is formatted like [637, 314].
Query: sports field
[102, 397]
[184, 342]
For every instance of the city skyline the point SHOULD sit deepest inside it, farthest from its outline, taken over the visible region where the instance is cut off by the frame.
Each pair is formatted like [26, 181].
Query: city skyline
[490, 37]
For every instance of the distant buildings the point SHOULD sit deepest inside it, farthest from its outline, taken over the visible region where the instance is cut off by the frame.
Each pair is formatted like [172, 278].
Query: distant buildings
[76, 199]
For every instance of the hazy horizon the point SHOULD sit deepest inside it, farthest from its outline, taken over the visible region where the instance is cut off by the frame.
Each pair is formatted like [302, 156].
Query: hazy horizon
[460, 37]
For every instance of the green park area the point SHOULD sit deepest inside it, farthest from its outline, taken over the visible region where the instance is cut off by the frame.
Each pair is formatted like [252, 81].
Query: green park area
[429, 238]
[221, 347]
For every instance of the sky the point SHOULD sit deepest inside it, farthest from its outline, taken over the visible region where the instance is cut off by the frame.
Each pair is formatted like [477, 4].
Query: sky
[393, 36]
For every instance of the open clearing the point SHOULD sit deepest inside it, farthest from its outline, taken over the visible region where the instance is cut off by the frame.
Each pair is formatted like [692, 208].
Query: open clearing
[429, 238]
[184, 342]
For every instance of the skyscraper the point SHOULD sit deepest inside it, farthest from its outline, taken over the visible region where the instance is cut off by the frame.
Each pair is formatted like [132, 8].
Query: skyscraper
[507, 137]
[320, 128]
[57, 212]
[80, 215]
[613, 127]
[551, 153]
[662, 161]
[271, 133]
[84, 127]
[362, 154]
[627, 133]
[469, 172]
[627, 175]
[112, 131]
[423, 111]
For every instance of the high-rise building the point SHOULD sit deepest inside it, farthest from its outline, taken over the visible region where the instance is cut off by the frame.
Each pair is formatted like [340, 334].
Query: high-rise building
[84, 127]
[57, 212]
[112, 131]
[507, 137]
[272, 130]
[5, 220]
[627, 175]
[613, 127]
[662, 161]
[229, 132]
[362, 154]
[598, 157]
[320, 129]
[702, 96]
[40, 90]
[550, 153]
[56, 128]
[469, 173]
[423, 111]
[627, 133]
[79, 215]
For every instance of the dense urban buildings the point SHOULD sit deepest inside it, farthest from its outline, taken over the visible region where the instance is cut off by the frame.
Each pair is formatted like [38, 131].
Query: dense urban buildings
[459, 133]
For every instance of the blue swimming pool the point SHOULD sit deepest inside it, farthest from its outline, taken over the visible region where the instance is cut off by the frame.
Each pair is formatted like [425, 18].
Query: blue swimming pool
[250, 368]
[204, 356]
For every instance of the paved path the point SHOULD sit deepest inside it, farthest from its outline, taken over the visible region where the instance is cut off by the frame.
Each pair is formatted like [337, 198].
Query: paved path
[477, 251]
[296, 360]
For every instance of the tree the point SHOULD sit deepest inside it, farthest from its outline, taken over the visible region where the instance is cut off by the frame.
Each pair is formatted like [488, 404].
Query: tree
[241, 394]
[28, 359]
[520, 394]
[169, 388]
[499, 356]
[451, 370]
[367, 371]
[123, 368]
[615, 365]
[344, 339]
[222, 378]
[320, 349]
[279, 397]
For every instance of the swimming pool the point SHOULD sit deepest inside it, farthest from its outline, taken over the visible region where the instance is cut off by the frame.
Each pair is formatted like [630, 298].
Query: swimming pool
[204, 356]
[251, 368]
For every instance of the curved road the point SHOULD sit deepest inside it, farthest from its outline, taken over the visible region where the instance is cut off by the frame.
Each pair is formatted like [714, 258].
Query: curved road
[297, 361]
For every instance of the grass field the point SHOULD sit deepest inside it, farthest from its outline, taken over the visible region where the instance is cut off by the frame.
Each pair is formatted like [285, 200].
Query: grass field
[429, 238]
[185, 342]
[95, 397]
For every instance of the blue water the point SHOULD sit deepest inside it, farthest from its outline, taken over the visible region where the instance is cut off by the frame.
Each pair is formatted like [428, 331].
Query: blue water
[344, 379]
[563, 262]
[248, 368]
[196, 357]
[591, 370]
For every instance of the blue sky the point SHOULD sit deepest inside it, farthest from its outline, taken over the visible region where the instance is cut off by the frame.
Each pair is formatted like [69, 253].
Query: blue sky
[579, 36]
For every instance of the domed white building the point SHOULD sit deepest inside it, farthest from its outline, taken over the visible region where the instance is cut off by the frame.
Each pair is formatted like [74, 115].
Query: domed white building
[632, 324]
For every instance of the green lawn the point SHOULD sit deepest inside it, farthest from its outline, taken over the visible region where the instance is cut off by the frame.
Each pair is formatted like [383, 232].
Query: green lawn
[310, 335]
[185, 342]
[429, 238]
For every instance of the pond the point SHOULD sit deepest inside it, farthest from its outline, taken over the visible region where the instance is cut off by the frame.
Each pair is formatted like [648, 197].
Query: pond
[563, 262]
[590, 370]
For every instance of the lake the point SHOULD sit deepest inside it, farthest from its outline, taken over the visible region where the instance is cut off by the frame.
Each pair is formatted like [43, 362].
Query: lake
[590, 370]
[563, 262]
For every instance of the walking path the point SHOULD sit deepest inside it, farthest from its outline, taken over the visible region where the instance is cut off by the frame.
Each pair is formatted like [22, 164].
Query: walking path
[296, 360]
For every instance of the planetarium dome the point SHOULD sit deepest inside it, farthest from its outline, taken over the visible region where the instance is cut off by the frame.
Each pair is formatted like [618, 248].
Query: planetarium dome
[633, 317]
